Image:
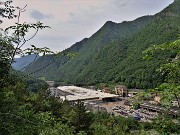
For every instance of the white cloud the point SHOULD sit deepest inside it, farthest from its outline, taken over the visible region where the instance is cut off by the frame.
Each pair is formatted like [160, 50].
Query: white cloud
[39, 15]
[73, 20]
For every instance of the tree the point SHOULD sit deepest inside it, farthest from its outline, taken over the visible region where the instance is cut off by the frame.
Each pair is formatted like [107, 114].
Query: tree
[16, 111]
[75, 115]
[13, 38]
[7, 11]
[170, 89]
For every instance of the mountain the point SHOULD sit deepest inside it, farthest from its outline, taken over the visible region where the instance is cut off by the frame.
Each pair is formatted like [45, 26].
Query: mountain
[22, 62]
[114, 53]
[89, 46]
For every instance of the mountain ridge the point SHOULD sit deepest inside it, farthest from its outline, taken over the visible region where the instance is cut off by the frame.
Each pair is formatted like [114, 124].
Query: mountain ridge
[113, 55]
[22, 62]
[102, 32]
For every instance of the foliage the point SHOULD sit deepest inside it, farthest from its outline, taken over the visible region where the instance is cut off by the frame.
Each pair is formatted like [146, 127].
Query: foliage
[27, 108]
[114, 53]
[7, 11]
[23, 112]
[171, 68]
[13, 38]
[169, 90]
[109, 125]
[166, 125]
[87, 49]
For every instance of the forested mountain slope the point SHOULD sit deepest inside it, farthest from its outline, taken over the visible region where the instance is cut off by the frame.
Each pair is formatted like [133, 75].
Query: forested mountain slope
[22, 62]
[88, 47]
[114, 53]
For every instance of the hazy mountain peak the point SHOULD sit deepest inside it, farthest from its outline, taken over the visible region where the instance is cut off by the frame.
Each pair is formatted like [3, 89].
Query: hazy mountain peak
[22, 62]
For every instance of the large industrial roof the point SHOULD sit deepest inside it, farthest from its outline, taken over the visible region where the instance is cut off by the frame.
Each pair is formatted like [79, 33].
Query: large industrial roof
[79, 93]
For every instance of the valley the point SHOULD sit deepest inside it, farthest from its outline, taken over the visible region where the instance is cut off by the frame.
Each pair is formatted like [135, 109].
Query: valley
[122, 79]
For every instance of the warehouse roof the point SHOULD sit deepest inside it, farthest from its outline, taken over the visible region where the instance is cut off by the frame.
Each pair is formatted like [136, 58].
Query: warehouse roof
[79, 93]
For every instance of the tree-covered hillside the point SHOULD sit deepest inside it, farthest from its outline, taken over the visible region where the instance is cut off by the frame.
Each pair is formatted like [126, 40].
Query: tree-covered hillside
[88, 47]
[27, 108]
[114, 53]
[22, 62]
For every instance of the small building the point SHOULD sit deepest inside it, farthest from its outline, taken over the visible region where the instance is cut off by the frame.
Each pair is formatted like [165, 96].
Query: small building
[157, 98]
[176, 103]
[158, 108]
[107, 90]
[121, 90]
[133, 92]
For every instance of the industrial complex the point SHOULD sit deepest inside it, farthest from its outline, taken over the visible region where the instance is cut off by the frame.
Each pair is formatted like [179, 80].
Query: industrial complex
[119, 103]
[74, 93]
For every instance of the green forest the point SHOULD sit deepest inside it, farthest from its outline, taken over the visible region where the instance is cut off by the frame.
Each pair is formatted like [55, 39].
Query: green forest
[113, 55]
[144, 53]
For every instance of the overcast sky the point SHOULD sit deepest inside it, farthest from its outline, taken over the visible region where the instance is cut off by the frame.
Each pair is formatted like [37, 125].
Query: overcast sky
[73, 20]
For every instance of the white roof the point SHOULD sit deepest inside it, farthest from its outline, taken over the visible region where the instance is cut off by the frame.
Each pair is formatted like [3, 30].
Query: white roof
[82, 93]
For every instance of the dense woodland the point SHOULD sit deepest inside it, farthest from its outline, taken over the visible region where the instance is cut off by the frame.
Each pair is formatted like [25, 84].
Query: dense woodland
[113, 55]
[26, 107]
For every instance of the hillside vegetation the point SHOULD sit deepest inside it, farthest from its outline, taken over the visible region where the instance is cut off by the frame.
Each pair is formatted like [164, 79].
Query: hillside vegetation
[24, 61]
[114, 53]
[27, 108]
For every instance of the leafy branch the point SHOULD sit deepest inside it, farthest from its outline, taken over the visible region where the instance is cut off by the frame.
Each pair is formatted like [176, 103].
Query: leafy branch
[170, 89]
[14, 37]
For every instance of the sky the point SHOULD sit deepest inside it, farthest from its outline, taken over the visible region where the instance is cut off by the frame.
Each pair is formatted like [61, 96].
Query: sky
[73, 20]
